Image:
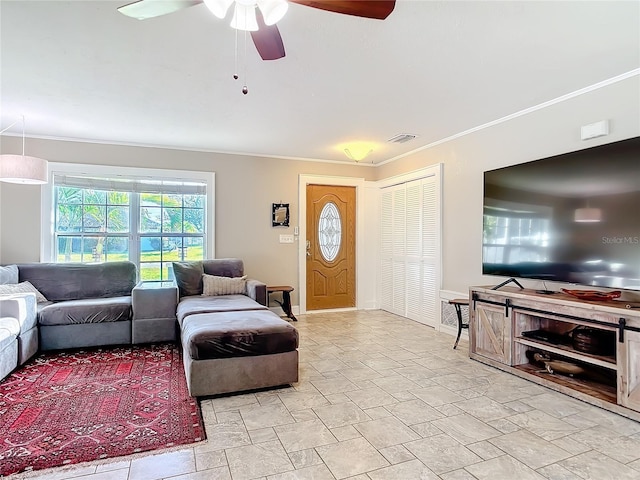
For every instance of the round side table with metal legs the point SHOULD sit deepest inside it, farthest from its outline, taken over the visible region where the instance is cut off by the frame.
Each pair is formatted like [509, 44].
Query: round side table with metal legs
[458, 303]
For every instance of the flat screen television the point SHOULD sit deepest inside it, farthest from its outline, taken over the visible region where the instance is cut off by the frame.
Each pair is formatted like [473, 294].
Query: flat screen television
[571, 218]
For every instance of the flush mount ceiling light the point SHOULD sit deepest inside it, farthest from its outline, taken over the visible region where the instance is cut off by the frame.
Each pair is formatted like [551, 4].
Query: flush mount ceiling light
[358, 151]
[22, 168]
[244, 12]
[357, 155]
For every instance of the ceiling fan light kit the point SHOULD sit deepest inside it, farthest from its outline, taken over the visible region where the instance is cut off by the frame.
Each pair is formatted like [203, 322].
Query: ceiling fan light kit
[269, 42]
[218, 7]
[244, 18]
[244, 12]
[261, 23]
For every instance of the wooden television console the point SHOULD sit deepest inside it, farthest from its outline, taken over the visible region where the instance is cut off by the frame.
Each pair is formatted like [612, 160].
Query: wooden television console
[498, 319]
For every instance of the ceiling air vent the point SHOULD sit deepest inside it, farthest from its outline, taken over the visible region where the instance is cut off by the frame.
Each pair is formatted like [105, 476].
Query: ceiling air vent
[402, 138]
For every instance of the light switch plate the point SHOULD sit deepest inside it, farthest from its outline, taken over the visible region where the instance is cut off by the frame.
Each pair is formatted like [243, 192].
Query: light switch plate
[286, 238]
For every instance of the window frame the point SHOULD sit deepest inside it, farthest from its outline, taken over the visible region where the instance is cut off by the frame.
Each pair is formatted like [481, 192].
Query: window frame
[507, 248]
[47, 245]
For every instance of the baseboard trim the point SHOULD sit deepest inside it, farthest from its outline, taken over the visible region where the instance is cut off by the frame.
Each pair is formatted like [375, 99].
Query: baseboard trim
[453, 331]
[332, 310]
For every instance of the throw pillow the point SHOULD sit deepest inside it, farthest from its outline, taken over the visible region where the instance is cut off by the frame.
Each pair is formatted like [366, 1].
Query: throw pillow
[23, 287]
[188, 277]
[9, 275]
[214, 285]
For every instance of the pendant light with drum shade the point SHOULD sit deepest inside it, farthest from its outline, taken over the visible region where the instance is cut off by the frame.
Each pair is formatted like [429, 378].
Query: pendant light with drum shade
[22, 169]
[587, 214]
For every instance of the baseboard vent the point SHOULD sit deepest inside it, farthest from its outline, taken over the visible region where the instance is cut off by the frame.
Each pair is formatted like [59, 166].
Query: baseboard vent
[402, 138]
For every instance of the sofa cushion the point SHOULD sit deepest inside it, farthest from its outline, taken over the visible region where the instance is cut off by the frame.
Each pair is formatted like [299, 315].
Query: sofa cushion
[22, 287]
[8, 274]
[22, 307]
[9, 327]
[8, 342]
[226, 303]
[237, 334]
[188, 277]
[73, 281]
[213, 285]
[224, 267]
[90, 310]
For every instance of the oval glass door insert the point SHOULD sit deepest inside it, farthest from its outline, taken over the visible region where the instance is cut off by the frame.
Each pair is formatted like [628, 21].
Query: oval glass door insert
[330, 232]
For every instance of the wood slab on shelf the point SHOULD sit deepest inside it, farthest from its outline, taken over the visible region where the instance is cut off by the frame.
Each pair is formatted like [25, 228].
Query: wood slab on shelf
[547, 382]
[607, 393]
[603, 361]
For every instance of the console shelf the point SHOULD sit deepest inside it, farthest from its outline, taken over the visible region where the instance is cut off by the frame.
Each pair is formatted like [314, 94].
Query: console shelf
[608, 377]
[601, 391]
[603, 361]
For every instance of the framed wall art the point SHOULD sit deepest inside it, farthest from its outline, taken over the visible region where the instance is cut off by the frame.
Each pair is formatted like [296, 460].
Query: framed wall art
[280, 215]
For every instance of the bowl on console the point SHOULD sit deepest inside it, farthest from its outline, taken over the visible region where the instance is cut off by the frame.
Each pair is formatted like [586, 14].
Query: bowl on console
[593, 295]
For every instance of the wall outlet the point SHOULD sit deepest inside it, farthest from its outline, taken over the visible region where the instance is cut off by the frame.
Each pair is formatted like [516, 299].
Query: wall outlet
[286, 238]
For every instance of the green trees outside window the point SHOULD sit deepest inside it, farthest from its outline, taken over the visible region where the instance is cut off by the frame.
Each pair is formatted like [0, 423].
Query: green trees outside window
[150, 229]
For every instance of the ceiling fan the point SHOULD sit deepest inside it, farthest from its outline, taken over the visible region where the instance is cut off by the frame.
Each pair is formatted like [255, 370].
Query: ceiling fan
[264, 32]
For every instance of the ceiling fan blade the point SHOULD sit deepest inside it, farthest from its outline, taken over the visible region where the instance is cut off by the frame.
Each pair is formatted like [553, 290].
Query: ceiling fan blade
[144, 9]
[267, 40]
[379, 9]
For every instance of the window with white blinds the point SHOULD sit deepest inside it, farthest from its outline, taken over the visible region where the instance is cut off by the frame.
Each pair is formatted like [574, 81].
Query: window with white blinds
[410, 233]
[151, 220]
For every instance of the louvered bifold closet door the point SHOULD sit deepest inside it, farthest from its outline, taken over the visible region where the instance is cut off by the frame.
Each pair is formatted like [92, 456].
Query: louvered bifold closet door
[386, 250]
[410, 249]
[430, 249]
[399, 250]
[413, 250]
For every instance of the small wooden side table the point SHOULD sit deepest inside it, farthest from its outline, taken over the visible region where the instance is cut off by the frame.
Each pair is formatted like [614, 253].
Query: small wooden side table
[457, 303]
[286, 299]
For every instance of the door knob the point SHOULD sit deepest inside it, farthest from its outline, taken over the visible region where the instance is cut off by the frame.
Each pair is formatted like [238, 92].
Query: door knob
[308, 248]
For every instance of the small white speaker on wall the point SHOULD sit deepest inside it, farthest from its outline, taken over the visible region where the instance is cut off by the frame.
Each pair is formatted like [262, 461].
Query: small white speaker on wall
[594, 130]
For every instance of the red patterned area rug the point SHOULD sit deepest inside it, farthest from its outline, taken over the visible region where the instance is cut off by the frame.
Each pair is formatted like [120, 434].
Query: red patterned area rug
[66, 408]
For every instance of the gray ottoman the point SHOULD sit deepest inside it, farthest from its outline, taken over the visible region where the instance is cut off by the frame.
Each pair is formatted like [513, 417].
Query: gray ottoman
[235, 351]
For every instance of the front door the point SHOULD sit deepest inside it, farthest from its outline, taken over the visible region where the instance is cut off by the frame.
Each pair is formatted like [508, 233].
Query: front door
[331, 247]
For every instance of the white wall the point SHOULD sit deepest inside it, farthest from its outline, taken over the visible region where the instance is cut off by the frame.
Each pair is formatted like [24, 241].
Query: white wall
[370, 265]
[0, 223]
[19, 223]
[542, 133]
[245, 189]
[246, 186]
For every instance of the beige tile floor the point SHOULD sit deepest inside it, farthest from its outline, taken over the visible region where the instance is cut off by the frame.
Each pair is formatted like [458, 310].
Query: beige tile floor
[382, 397]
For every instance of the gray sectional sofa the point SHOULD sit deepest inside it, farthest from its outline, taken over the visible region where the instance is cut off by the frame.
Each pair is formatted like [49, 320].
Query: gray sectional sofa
[231, 341]
[17, 324]
[87, 304]
[77, 305]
